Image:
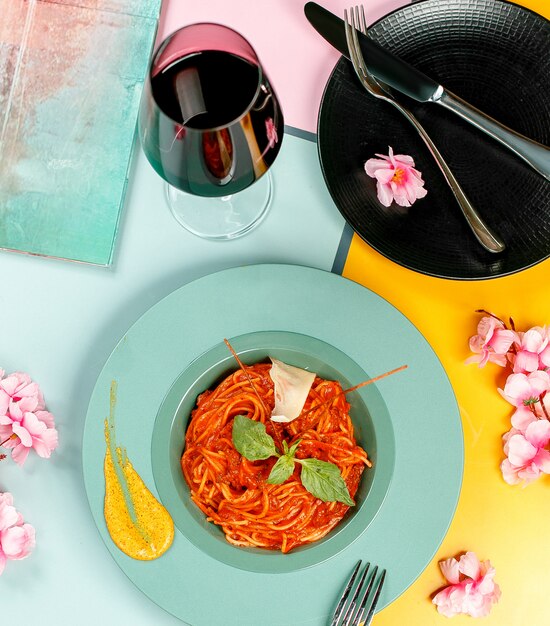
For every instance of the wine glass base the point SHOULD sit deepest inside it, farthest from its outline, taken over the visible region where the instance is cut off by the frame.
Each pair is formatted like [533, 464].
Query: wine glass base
[225, 217]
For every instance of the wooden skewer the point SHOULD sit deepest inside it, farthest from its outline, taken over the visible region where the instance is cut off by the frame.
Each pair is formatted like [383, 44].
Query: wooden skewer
[314, 408]
[243, 367]
[363, 384]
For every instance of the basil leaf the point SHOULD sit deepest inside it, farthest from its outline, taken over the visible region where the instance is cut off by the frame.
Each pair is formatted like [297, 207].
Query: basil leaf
[324, 481]
[251, 439]
[281, 470]
[292, 450]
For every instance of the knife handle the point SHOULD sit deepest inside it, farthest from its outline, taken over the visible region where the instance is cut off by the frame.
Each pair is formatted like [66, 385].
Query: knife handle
[535, 154]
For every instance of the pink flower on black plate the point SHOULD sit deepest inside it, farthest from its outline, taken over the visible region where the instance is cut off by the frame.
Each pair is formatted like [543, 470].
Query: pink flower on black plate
[396, 179]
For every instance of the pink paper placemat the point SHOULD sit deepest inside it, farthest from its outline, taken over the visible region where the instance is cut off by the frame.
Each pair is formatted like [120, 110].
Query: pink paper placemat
[296, 59]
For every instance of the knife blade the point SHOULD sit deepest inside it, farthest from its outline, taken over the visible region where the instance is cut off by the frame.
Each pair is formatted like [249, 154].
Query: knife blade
[410, 81]
[385, 65]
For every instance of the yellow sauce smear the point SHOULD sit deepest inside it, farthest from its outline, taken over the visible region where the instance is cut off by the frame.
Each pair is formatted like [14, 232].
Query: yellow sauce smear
[138, 524]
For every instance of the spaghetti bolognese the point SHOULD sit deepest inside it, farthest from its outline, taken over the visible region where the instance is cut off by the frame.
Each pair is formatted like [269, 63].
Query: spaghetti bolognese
[233, 491]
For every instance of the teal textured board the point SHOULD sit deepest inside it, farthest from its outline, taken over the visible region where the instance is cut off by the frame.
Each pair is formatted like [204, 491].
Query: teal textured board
[72, 73]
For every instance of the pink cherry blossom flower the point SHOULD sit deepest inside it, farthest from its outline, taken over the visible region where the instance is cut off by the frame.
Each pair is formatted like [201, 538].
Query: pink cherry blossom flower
[472, 590]
[525, 389]
[396, 179]
[24, 422]
[30, 432]
[492, 342]
[17, 388]
[530, 346]
[17, 539]
[527, 456]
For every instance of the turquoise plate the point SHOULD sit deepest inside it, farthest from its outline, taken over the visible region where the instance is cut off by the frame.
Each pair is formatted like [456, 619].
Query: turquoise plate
[200, 586]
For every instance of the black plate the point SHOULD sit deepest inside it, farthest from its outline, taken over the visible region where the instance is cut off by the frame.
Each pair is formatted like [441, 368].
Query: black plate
[494, 54]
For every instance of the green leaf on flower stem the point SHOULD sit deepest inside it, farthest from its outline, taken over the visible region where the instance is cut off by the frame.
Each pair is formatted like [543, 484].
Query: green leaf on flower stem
[281, 470]
[251, 439]
[324, 481]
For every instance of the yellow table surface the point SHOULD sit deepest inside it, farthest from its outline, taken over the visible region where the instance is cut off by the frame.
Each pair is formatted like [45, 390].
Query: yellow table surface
[509, 525]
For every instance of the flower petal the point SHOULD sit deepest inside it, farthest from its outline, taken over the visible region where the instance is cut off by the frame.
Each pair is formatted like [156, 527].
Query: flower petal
[450, 600]
[28, 403]
[20, 453]
[502, 340]
[509, 472]
[522, 417]
[444, 603]
[400, 197]
[544, 357]
[384, 193]
[538, 433]
[17, 542]
[46, 443]
[520, 451]
[23, 434]
[33, 424]
[449, 569]
[4, 402]
[46, 417]
[539, 381]
[469, 565]
[516, 388]
[526, 361]
[534, 341]
[8, 517]
[373, 165]
[542, 460]
[529, 473]
[384, 176]
[404, 159]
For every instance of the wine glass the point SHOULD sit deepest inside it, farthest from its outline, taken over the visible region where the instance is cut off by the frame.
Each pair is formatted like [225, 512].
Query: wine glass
[210, 124]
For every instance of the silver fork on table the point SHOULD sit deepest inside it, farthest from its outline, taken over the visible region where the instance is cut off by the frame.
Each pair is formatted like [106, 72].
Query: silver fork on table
[376, 88]
[359, 609]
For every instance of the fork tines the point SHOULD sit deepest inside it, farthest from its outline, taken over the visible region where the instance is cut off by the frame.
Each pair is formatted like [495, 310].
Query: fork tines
[357, 18]
[351, 611]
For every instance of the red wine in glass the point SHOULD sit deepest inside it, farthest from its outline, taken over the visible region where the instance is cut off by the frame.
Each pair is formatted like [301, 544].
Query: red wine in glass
[211, 126]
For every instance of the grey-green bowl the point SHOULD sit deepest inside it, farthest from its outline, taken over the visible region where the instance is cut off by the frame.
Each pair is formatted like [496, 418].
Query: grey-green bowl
[373, 430]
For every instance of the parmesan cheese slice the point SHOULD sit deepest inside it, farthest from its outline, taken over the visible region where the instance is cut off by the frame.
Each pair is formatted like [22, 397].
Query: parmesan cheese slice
[292, 385]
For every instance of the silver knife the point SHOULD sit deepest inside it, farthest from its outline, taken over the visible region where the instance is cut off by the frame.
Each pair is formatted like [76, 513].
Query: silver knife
[412, 82]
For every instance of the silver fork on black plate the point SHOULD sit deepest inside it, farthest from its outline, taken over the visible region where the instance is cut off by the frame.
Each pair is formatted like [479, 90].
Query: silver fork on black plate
[376, 88]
